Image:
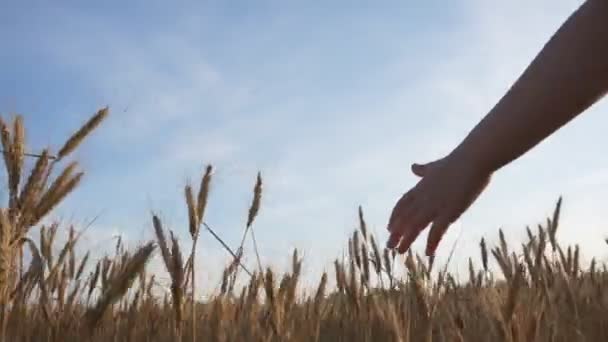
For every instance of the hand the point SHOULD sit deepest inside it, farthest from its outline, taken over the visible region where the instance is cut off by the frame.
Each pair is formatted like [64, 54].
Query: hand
[447, 189]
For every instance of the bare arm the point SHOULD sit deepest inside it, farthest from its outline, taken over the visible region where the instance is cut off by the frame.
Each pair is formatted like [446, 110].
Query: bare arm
[568, 76]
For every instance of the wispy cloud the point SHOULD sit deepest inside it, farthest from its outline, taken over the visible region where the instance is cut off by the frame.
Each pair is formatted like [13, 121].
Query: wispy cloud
[331, 107]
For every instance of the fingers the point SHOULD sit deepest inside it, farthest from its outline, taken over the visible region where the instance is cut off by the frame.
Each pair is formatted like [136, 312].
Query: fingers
[393, 240]
[418, 221]
[412, 213]
[407, 240]
[409, 219]
[401, 209]
[404, 217]
[438, 229]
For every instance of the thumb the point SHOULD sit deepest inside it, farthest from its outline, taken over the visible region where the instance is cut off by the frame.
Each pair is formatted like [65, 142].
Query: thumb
[420, 169]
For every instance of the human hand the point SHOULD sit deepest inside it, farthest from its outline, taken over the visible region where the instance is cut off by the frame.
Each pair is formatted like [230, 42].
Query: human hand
[447, 189]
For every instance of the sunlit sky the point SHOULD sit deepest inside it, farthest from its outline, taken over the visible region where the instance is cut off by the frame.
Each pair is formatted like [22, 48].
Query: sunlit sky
[331, 101]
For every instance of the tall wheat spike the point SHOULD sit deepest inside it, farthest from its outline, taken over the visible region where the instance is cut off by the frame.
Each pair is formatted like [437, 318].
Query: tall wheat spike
[376, 253]
[193, 218]
[51, 200]
[178, 278]
[17, 152]
[196, 209]
[362, 224]
[173, 261]
[32, 189]
[555, 224]
[194, 226]
[257, 198]
[253, 212]
[7, 146]
[72, 143]
[203, 193]
[484, 254]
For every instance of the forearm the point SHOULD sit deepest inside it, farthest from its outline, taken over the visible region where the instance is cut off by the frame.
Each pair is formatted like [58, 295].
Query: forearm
[567, 77]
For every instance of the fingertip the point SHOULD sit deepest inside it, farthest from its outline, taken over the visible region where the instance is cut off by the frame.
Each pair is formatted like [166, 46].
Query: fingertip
[393, 240]
[430, 250]
[403, 248]
[438, 229]
[406, 241]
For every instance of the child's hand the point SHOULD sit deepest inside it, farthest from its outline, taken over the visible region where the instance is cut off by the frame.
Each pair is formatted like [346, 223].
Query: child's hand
[448, 188]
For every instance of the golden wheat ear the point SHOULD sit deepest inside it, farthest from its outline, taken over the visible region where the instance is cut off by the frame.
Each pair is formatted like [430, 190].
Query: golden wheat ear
[172, 258]
[76, 139]
[203, 193]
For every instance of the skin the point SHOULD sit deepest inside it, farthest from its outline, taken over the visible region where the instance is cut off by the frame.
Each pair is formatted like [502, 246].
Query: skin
[568, 76]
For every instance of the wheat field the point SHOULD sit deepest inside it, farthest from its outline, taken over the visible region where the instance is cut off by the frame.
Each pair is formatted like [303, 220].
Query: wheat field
[542, 292]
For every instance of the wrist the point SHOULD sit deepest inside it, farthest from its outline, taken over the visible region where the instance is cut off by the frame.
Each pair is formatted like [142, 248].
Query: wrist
[473, 158]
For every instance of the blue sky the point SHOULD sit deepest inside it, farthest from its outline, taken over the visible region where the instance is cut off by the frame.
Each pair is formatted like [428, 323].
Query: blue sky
[332, 101]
